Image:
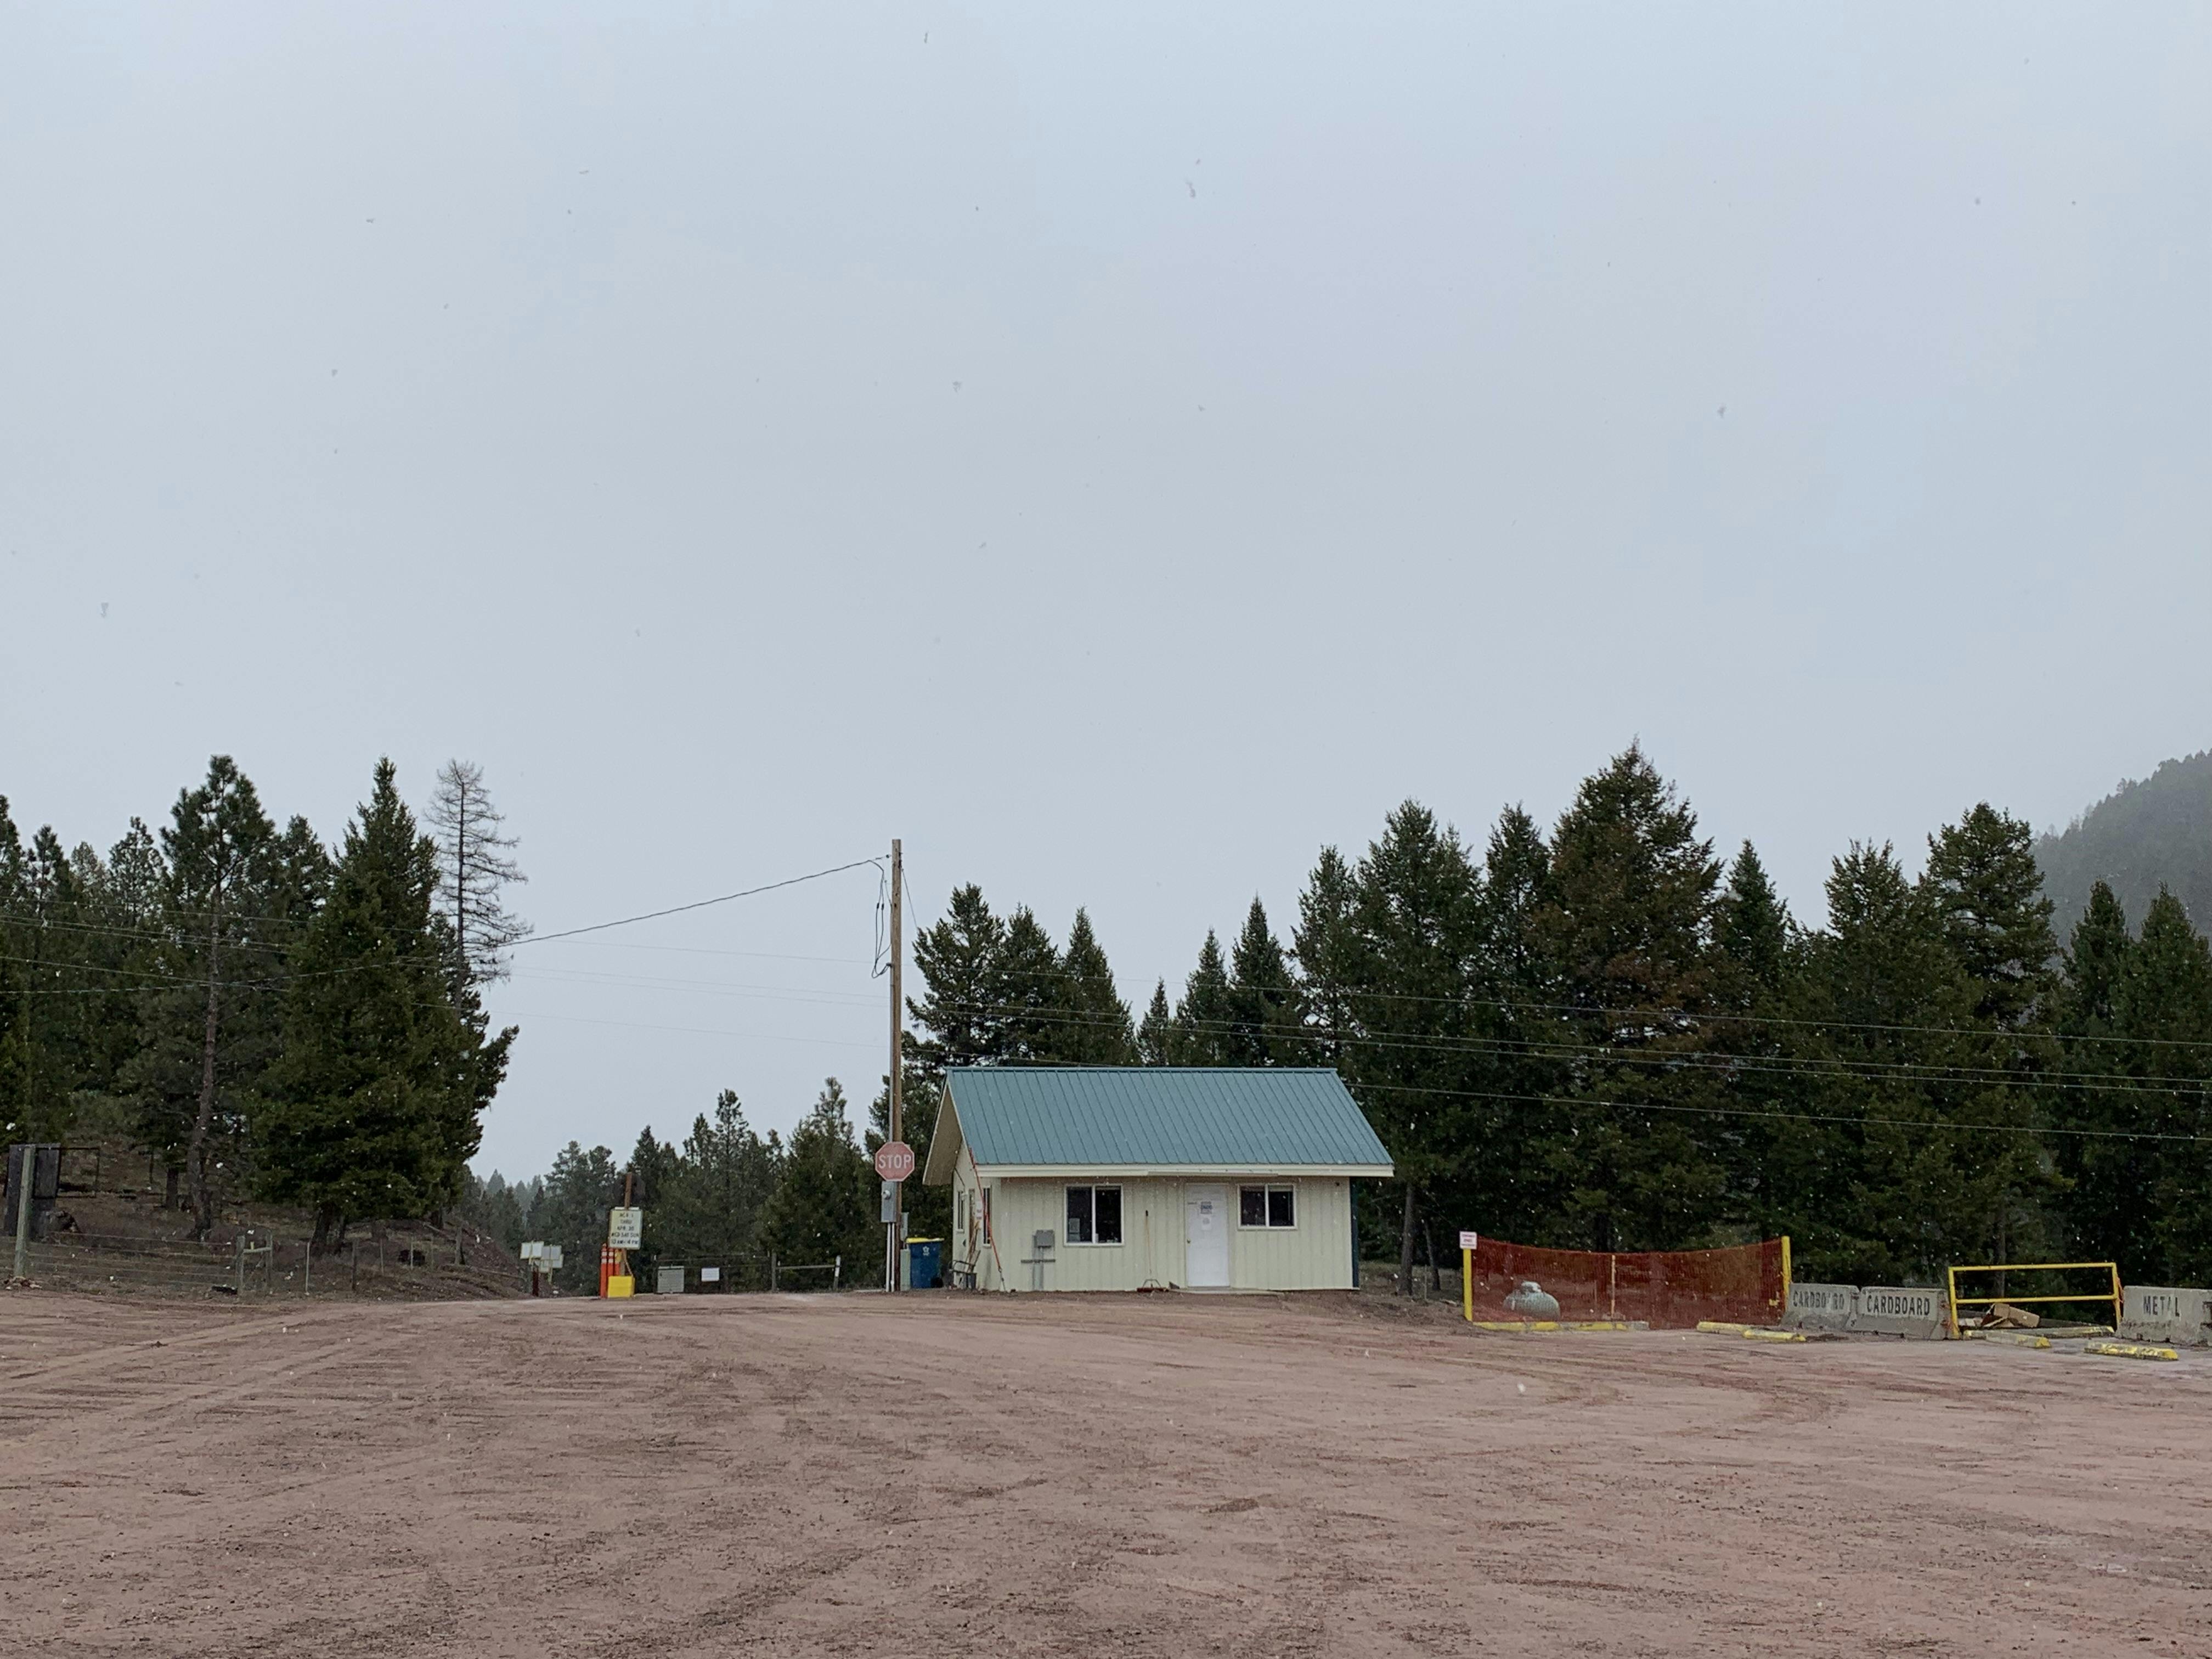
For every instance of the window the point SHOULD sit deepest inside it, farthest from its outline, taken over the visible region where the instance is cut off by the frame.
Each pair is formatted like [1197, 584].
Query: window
[1094, 1215]
[1267, 1206]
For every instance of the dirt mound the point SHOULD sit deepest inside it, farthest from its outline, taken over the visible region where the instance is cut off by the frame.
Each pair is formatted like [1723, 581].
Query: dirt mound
[113, 1231]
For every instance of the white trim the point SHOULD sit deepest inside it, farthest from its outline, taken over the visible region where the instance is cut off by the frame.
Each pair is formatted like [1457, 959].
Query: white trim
[945, 1151]
[1078, 1173]
[1265, 1187]
[1093, 1243]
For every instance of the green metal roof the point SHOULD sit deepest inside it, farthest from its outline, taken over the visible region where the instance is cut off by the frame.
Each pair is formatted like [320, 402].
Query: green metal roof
[1123, 1116]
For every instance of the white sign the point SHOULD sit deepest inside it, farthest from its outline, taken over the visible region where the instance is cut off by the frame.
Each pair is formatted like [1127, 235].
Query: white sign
[710, 1275]
[548, 1256]
[1467, 1241]
[626, 1228]
[533, 1251]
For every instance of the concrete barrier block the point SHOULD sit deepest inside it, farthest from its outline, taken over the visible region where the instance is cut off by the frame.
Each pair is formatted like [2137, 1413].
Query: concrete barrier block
[2161, 1313]
[1821, 1307]
[1918, 1310]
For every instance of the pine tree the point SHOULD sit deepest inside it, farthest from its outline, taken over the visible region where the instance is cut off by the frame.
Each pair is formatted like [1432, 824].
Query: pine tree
[1325, 945]
[1751, 928]
[1982, 882]
[2105, 1174]
[1155, 1036]
[2096, 961]
[962, 961]
[1032, 989]
[1094, 1028]
[652, 1175]
[1516, 888]
[221, 849]
[1982, 877]
[1511, 1180]
[725, 1177]
[1201, 1031]
[1769, 1148]
[1262, 1003]
[1629, 927]
[378, 1091]
[1922, 1161]
[2164, 1006]
[475, 862]
[1410, 1052]
[571, 1212]
[824, 1206]
[262, 919]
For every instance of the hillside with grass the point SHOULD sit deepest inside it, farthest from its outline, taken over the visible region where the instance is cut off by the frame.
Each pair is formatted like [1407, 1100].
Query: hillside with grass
[2157, 832]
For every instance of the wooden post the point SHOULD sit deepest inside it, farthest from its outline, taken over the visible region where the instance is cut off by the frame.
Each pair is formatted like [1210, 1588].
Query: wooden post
[898, 1031]
[26, 1179]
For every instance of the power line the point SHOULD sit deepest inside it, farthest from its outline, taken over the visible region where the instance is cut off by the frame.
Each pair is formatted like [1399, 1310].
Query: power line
[699, 904]
[286, 978]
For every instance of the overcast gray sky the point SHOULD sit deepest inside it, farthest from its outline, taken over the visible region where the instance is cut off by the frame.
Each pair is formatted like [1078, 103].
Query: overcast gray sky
[1118, 449]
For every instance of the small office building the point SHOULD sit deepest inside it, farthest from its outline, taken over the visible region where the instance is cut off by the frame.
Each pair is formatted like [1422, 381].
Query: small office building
[1125, 1178]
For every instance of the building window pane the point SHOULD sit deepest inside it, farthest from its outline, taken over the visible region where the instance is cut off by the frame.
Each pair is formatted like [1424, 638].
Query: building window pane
[1109, 1210]
[1252, 1207]
[1078, 1215]
[1282, 1211]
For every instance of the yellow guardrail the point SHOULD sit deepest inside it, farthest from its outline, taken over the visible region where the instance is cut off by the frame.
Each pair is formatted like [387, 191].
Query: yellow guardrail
[2111, 1269]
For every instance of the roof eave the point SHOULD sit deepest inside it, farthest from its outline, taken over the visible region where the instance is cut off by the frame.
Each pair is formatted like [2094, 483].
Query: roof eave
[945, 1142]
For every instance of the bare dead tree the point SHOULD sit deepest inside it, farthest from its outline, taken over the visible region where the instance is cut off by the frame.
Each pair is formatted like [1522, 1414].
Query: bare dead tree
[475, 863]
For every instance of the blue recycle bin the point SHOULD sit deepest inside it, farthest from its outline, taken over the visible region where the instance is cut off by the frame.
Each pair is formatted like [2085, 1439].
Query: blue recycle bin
[925, 1263]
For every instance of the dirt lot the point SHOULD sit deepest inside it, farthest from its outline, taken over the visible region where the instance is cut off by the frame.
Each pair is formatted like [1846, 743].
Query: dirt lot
[1164, 1475]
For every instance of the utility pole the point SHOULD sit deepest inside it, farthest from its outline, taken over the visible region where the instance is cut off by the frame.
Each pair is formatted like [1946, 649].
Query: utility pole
[898, 1032]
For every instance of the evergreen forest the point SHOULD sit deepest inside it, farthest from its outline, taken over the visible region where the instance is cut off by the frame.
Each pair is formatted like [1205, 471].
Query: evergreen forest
[267, 1017]
[1602, 1034]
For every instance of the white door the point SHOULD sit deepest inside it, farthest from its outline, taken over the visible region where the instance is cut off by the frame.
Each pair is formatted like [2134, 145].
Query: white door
[1205, 1235]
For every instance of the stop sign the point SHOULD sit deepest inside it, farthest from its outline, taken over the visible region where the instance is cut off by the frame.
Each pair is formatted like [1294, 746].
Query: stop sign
[895, 1160]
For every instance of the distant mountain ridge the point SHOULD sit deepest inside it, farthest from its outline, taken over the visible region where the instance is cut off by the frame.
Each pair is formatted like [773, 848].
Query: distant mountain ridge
[2143, 834]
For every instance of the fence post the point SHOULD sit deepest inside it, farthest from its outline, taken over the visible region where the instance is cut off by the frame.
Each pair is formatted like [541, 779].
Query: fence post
[238, 1282]
[836, 1272]
[307, 1269]
[27, 1178]
[771, 1272]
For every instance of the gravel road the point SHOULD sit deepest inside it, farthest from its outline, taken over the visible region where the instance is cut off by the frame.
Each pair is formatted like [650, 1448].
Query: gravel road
[1173, 1475]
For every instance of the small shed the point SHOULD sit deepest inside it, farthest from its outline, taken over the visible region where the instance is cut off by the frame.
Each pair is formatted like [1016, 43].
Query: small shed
[1135, 1177]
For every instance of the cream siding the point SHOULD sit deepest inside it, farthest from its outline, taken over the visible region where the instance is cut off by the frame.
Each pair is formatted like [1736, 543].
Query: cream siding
[1313, 1254]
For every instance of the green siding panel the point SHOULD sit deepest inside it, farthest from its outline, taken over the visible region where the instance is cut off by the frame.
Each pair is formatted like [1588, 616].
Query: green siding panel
[1161, 1116]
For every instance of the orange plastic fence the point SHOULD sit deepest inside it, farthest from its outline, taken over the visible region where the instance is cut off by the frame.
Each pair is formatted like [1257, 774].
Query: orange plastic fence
[1746, 1284]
